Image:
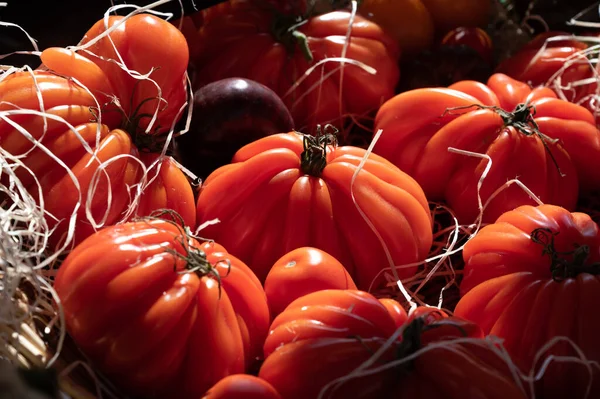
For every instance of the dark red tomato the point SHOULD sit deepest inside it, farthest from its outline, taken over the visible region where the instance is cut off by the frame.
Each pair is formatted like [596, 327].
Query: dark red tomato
[531, 276]
[299, 58]
[475, 38]
[159, 313]
[300, 272]
[242, 386]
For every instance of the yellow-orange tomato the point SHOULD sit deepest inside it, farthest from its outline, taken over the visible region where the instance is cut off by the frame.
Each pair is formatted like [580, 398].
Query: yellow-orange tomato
[300, 272]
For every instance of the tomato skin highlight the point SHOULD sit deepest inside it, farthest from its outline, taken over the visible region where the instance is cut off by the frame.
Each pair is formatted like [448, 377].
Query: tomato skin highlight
[300, 272]
[265, 183]
[421, 126]
[509, 290]
[132, 313]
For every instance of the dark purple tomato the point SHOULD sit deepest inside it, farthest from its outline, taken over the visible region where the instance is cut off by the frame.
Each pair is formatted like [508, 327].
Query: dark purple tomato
[227, 115]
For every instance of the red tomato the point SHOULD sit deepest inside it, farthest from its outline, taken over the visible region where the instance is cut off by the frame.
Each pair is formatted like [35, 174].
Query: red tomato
[323, 336]
[240, 38]
[395, 310]
[300, 272]
[64, 99]
[242, 386]
[92, 114]
[159, 313]
[475, 38]
[293, 191]
[532, 276]
[421, 125]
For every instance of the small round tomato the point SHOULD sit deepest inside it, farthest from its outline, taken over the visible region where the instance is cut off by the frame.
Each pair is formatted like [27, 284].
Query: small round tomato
[450, 14]
[472, 37]
[395, 310]
[242, 386]
[300, 272]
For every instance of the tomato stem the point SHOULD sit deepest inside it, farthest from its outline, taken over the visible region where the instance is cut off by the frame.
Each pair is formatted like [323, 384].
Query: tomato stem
[522, 119]
[567, 264]
[314, 157]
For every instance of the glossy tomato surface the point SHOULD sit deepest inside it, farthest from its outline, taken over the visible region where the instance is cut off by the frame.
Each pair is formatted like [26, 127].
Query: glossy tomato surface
[527, 134]
[530, 277]
[269, 192]
[242, 386]
[141, 296]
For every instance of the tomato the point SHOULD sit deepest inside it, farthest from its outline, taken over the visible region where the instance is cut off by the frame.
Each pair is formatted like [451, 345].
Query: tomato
[544, 60]
[321, 339]
[242, 386]
[105, 151]
[458, 368]
[240, 38]
[475, 38]
[300, 272]
[532, 276]
[323, 336]
[498, 120]
[294, 190]
[159, 313]
[415, 23]
[395, 310]
[407, 21]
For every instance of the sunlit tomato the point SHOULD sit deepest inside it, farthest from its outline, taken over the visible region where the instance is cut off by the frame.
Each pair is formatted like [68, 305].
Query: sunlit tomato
[323, 336]
[475, 38]
[300, 60]
[300, 272]
[530, 277]
[159, 313]
[294, 190]
[504, 120]
[242, 386]
[395, 310]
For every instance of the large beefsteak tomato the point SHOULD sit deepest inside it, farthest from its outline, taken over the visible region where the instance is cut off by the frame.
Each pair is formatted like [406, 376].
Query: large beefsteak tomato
[161, 314]
[291, 190]
[317, 344]
[533, 276]
[299, 59]
[552, 146]
[101, 148]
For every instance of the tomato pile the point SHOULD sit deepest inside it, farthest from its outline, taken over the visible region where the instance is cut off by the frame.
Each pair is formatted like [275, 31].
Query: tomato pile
[261, 200]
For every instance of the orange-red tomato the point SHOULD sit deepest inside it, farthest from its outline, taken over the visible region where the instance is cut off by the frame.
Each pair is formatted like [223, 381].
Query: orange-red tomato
[240, 38]
[159, 313]
[242, 386]
[323, 336]
[101, 149]
[450, 14]
[292, 192]
[300, 272]
[530, 277]
[420, 126]
[395, 310]
[115, 150]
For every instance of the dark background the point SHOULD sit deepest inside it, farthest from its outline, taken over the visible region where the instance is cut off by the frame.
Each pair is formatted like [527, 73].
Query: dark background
[64, 22]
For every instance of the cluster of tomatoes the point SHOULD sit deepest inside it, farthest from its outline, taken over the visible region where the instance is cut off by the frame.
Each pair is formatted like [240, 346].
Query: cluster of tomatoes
[262, 282]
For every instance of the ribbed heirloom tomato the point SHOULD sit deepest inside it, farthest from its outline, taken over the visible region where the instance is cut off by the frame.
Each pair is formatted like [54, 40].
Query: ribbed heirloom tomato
[530, 277]
[551, 146]
[250, 39]
[321, 340]
[101, 136]
[290, 190]
[159, 313]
